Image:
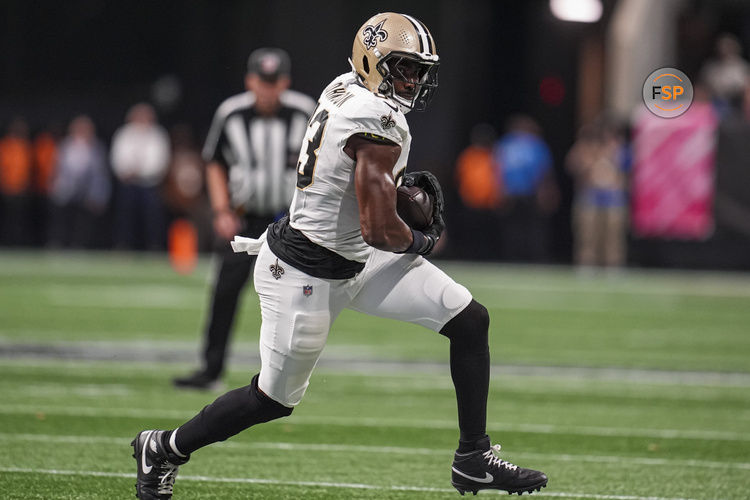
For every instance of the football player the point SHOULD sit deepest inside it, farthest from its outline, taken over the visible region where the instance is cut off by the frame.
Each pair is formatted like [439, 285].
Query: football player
[344, 246]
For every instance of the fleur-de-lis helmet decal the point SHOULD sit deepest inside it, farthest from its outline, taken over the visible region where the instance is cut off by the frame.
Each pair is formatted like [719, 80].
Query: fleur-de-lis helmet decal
[373, 34]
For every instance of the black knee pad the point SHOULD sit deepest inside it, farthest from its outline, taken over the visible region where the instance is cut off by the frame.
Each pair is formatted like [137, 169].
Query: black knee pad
[269, 409]
[469, 328]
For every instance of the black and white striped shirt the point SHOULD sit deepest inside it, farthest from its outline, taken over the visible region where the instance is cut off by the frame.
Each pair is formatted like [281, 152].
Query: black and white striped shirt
[260, 153]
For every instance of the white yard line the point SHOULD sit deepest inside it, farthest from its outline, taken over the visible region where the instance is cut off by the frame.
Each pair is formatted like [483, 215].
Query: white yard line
[320, 484]
[57, 390]
[340, 360]
[125, 296]
[388, 450]
[504, 295]
[145, 413]
[536, 428]
[698, 289]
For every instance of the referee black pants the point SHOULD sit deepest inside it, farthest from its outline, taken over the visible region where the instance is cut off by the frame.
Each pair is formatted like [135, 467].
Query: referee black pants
[233, 273]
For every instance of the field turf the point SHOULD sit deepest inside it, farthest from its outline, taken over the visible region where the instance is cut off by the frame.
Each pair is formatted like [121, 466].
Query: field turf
[620, 387]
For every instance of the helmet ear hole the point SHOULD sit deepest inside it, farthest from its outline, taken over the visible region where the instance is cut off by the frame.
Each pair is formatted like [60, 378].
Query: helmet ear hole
[366, 64]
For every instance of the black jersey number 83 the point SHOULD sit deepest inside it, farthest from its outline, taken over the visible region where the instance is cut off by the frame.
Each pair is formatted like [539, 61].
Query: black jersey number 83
[309, 157]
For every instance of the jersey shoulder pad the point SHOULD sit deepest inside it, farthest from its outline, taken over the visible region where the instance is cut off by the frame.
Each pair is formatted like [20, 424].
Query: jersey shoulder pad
[368, 113]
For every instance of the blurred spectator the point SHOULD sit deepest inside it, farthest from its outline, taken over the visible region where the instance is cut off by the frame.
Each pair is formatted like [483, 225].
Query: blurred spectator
[732, 202]
[530, 194]
[184, 188]
[479, 190]
[727, 75]
[478, 186]
[45, 158]
[81, 187]
[598, 161]
[140, 158]
[15, 183]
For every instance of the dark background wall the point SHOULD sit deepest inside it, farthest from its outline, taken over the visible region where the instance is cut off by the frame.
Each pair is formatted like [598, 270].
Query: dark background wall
[62, 58]
[99, 57]
[96, 56]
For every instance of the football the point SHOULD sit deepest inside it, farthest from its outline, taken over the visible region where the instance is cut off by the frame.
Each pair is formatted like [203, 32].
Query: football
[414, 206]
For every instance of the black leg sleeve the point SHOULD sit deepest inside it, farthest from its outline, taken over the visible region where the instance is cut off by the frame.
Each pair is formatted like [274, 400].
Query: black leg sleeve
[470, 368]
[230, 414]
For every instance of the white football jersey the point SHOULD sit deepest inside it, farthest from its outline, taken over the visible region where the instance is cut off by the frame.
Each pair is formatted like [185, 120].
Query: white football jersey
[325, 206]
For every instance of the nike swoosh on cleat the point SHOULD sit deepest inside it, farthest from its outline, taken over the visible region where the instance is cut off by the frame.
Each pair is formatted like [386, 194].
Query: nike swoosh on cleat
[144, 466]
[486, 479]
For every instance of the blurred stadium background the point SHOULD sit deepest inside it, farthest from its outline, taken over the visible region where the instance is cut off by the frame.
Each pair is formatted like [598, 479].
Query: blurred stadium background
[499, 59]
[623, 379]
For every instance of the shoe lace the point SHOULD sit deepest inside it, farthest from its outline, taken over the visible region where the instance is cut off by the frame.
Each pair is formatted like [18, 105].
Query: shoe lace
[167, 475]
[493, 457]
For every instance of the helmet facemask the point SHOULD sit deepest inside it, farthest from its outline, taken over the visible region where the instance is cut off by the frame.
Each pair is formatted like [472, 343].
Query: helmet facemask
[401, 70]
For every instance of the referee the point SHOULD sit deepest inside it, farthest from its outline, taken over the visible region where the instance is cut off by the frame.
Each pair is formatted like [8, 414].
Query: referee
[251, 154]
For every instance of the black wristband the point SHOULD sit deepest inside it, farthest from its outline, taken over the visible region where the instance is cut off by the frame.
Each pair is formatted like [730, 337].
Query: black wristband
[421, 243]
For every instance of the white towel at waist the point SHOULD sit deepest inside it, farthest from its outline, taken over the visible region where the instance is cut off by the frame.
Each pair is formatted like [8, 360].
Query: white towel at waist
[249, 245]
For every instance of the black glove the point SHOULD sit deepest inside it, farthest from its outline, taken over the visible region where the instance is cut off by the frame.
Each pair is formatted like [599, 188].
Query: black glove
[429, 183]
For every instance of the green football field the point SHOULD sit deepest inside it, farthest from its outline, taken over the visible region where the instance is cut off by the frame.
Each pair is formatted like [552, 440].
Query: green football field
[622, 387]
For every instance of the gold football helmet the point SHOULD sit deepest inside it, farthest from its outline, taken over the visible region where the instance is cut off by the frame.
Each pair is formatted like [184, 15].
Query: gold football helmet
[395, 55]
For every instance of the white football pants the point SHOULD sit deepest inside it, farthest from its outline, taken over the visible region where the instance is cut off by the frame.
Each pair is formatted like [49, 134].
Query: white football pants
[298, 310]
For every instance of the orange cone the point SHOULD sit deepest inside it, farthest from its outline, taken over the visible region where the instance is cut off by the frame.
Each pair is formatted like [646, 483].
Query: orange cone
[183, 246]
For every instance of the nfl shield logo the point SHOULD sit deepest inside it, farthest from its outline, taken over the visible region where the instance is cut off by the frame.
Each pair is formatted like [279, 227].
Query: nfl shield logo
[307, 290]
